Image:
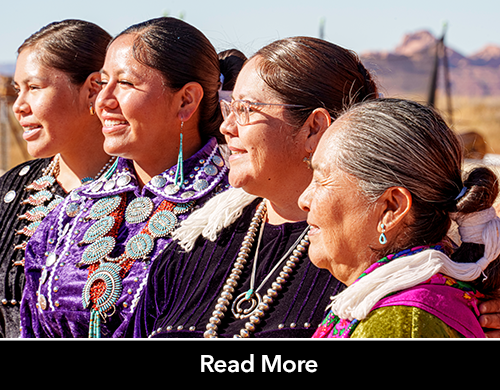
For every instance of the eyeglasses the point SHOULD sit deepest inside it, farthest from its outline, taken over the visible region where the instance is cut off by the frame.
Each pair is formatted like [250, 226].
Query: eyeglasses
[242, 109]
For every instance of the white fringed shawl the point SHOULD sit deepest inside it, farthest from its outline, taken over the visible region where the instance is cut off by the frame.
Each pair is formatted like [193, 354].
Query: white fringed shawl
[357, 300]
[219, 212]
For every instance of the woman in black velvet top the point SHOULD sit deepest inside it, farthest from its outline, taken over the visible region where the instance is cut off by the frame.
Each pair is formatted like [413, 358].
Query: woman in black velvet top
[240, 266]
[56, 78]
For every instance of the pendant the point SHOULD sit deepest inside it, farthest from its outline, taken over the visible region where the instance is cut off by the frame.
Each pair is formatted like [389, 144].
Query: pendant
[39, 198]
[98, 229]
[35, 214]
[29, 230]
[162, 223]
[139, 246]
[251, 299]
[104, 207]
[41, 183]
[52, 205]
[109, 273]
[139, 210]
[97, 251]
[181, 208]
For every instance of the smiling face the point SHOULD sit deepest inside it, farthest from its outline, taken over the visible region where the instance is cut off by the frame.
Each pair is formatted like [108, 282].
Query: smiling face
[49, 107]
[138, 112]
[343, 225]
[265, 154]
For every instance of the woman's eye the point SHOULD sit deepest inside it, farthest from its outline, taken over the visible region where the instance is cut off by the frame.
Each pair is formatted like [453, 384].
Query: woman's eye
[125, 82]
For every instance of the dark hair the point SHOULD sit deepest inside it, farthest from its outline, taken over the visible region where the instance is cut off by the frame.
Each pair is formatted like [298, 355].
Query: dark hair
[76, 47]
[182, 54]
[399, 143]
[231, 61]
[314, 73]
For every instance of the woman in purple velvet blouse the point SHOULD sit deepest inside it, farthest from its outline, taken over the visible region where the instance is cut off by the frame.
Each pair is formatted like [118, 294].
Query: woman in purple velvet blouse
[88, 262]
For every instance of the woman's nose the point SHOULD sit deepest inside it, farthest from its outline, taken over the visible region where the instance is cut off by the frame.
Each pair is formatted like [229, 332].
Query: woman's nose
[21, 106]
[106, 98]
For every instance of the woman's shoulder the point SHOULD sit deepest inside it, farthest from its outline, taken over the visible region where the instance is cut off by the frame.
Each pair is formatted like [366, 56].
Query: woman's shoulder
[403, 322]
[25, 170]
[14, 180]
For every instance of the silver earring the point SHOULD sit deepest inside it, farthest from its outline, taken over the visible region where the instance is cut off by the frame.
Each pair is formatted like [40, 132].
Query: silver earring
[382, 239]
[307, 161]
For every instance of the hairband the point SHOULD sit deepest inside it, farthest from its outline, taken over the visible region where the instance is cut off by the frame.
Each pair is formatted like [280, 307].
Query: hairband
[221, 79]
[462, 193]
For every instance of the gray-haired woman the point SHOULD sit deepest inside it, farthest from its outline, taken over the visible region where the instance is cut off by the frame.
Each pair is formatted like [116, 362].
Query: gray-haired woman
[387, 184]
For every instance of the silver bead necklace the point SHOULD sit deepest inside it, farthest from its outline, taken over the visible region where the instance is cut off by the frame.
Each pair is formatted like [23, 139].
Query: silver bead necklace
[258, 305]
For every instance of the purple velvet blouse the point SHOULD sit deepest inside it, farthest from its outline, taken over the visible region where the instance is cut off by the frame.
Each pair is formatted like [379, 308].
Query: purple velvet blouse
[52, 304]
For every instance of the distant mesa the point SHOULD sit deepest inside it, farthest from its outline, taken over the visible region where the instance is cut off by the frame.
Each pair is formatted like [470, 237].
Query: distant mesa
[407, 69]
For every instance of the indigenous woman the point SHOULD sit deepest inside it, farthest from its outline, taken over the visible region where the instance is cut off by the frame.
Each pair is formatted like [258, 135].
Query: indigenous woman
[87, 264]
[57, 80]
[239, 266]
[387, 184]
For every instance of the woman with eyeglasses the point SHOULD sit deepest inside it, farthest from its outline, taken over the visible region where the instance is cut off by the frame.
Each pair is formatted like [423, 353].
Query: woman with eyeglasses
[88, 262]
[239, 265]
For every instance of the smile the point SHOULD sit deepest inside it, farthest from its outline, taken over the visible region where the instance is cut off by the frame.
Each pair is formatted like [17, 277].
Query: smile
[111, 123]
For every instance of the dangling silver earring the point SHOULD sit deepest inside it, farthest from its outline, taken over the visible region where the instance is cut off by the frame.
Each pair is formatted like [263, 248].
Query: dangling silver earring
[92, 110]
[307, 160]
[179, 173]
[382, 239]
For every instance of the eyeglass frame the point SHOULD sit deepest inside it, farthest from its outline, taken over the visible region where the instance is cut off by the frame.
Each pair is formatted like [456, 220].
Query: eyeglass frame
[247, 105]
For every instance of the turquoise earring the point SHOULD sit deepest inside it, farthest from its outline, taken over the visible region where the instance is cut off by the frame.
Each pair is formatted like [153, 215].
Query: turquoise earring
[382, 239]
[179, 173]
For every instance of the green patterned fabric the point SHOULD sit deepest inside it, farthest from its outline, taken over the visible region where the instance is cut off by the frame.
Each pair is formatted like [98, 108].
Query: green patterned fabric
[403, 322]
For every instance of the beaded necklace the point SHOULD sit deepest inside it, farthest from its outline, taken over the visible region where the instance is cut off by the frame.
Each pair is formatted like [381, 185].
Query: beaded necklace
[40, 192]
[258, 305]
[104, 283]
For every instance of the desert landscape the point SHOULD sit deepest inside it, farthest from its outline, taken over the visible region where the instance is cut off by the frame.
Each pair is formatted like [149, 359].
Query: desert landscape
[474, 83]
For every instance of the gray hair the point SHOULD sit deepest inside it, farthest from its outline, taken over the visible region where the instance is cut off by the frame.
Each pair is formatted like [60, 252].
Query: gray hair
[399, 143]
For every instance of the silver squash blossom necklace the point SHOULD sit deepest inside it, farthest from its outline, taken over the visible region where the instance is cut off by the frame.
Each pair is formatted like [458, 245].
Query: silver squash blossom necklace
[257, 305]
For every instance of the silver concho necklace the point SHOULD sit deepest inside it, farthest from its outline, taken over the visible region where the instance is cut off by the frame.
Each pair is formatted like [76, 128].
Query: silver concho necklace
[257, 304]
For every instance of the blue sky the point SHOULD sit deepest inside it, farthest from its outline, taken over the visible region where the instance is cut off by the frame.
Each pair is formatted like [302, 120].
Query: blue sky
[359, 25]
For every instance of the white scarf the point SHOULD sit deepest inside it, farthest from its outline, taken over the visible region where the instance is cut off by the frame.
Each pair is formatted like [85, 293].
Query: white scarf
[482, 227]
[216, 214]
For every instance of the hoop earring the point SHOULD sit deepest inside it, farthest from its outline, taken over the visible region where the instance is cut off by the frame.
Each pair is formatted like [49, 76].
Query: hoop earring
[382, 239]
[179, 173]
[92, 110]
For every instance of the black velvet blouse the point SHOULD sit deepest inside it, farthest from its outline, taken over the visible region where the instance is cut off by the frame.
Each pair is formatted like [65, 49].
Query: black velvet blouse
[12, 193]
[183, 288]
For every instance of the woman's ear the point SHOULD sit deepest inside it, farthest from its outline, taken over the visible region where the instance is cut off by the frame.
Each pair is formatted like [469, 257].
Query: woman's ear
[315, 126]
[395, 205]
[189, 96]
[93, 86]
